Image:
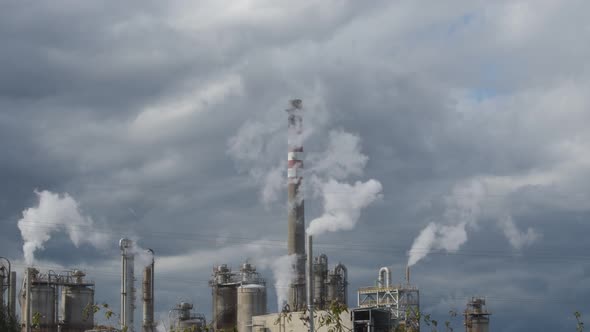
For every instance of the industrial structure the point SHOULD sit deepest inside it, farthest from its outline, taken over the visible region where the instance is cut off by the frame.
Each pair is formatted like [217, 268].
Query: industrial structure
[295, 205]
[127, 288]
[329, 285]
[401, 300]
[7, 286]
[476, 316]
[237, 297]
[56, 302]
[148, 296]
[183, 319]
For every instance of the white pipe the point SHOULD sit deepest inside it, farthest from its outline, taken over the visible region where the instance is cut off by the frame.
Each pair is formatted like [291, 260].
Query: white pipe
[387, 281]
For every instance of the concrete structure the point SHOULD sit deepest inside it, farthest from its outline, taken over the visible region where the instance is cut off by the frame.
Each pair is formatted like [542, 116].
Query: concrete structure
[371, 320]
[226, 286]
[296, 211]
[477, 318]
[127, 289]
[185, 320]
[295, 322]
[402, 300]
[148, 296]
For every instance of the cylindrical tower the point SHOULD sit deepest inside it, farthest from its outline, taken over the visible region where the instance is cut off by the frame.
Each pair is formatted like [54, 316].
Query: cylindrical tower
[76, 299]
[127, 289]
[224, 294]
[148, 296]
[337, 284]
[38, 307]
[320, 274]
[477, 318]
[296, 212]
[251, 302]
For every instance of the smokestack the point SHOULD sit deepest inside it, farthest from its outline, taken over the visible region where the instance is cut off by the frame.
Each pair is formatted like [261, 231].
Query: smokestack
[310, 282]
[296, 215]
[12, 295]
[127, 289]
[408, 274]
[148, 296]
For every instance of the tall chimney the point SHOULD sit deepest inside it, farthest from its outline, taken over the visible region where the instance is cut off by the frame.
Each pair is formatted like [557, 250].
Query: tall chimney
[296, 215]
[127, 289]
[148, 296]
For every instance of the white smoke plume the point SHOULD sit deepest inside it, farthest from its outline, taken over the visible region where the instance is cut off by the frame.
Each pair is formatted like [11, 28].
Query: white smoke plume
[517, 238]
[462, 209]
[343, 204]
[282, 269]
[54, 213]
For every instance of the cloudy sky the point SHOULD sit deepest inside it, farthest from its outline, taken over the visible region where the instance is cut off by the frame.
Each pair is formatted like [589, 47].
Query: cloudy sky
[164, 122]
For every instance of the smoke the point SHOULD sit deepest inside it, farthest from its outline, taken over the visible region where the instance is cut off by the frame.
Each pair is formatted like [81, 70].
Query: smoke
[54, 213]
[462, 209]
[343, 204]
[282, 269]
[517, 239]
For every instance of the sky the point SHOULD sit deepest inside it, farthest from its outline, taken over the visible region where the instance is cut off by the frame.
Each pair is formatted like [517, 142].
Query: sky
[164, 122]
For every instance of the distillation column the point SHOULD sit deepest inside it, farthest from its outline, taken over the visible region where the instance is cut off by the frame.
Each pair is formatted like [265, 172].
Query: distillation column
[127, 289]
[296, 217]
[148, 296]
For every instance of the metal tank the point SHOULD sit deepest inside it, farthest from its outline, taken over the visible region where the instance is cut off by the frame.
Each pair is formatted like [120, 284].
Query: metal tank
[42, 307]
[224, 307]
[251, 302]
[75, 310]
[320, 274]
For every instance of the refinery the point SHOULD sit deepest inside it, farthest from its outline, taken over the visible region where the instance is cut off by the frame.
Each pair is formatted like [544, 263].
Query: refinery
[52, 301]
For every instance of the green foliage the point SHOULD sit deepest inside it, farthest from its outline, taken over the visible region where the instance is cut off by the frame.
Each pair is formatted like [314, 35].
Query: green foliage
[8, 323]
[579, 322]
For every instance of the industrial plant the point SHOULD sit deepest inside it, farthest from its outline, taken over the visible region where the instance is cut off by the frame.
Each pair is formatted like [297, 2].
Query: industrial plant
[64, 301]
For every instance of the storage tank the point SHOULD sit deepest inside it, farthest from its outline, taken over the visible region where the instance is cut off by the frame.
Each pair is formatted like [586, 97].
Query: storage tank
[42, 302]
[251, 302]
[75, 310]
[224, 307]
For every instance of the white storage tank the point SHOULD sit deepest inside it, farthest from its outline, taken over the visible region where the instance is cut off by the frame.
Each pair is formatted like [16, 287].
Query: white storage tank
[251, 302]
[43, 300]
[75, 311]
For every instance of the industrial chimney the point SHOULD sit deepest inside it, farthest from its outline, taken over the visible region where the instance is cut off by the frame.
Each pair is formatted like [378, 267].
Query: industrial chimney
[296, 217]
[127, 289]
[148, 295]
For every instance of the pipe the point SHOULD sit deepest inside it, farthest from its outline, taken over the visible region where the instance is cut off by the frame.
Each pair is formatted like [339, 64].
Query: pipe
[28, 301]
[384, 281]
[310, 282]
[12, 295]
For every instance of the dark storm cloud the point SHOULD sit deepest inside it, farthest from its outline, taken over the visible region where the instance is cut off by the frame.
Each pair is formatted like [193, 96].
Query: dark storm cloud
[129, 108]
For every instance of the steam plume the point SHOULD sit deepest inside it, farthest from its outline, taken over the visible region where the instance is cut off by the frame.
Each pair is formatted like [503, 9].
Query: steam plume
[343, 204]
[282, 269]
[54, 213]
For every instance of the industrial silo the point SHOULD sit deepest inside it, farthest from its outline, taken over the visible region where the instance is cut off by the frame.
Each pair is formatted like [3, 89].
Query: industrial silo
[224, 307]
[75, 308]
[251, 302]
[42, 303]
